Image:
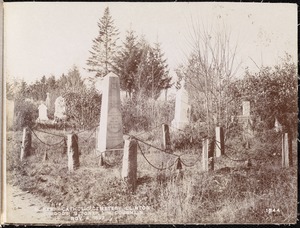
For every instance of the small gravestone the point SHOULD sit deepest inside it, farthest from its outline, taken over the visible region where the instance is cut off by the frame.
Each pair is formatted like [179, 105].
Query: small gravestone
[246, 121]
[98, 82]
[246, 108]
[42, 113]
[110, 131]
[182, 109]
[48, 100]
[10, 107]
[277, 126]
[60, 108]
[245, 113]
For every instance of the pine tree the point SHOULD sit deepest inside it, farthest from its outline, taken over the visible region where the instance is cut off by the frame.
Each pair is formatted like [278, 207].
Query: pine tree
[104, 46]
[61, 82]
[74, 81]
[154, 73]
[23, 91]
[127, 62]
[51, 83]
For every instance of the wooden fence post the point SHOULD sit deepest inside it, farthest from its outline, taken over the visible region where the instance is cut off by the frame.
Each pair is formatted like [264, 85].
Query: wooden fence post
[166, 138]
[73, 152]
[45, 158]
[129, 166]
[178, 168]
[96, 142]
[220, 144]
[247, 144]
[101, 160]
[65, 146]
[26, 143]
[211, 150]
[286, 153]
[207, 155]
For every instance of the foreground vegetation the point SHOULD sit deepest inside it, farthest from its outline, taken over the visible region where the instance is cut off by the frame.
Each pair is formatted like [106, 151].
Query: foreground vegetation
[233, 193]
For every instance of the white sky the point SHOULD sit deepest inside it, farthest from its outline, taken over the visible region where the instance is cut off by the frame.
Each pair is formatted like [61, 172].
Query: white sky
[49, 38]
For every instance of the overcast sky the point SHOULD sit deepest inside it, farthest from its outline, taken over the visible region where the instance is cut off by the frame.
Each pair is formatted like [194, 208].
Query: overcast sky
[49, 38]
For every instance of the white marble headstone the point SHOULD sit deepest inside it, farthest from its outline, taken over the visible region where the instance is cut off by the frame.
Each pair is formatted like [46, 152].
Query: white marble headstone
[42, 112]
[246, 108]
[48, 100]
[110, 131]
[60, 108]
[277, 126]
[182, 109]
[98, 82]
[10, 107]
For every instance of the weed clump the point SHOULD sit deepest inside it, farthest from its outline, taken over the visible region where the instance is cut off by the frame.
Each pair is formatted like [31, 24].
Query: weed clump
[232, 193]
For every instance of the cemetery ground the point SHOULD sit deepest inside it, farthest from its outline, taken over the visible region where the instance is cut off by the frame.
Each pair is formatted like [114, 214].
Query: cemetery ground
[234, 192]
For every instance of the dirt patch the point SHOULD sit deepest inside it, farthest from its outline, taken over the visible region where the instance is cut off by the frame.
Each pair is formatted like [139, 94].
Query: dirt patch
[24, 208]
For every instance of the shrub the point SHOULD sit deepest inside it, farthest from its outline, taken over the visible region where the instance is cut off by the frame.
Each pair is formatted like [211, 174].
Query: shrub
[131, 121]
[144, 114]
[26, 113]
[83, 107]
[233, 130]
[189, 137]
[232, 195]
[58, 125]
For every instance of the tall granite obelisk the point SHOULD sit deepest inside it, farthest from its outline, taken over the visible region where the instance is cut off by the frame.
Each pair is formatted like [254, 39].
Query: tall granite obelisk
[110, 131]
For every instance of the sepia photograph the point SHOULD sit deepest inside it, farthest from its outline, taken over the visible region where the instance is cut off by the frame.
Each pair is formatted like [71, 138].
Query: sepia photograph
[149, 113]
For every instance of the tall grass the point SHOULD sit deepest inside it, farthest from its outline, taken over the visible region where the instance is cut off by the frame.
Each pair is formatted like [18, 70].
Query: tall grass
[233, 193]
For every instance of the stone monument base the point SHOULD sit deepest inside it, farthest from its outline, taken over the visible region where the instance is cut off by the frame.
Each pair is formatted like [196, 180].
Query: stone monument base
[38, 120]
[179, 125]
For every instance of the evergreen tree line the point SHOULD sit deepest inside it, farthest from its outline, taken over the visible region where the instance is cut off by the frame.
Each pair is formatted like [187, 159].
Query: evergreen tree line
[38, 90]
[141, 67]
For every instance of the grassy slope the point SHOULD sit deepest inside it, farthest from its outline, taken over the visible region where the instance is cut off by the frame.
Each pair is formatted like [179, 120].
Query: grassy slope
[236, 194]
